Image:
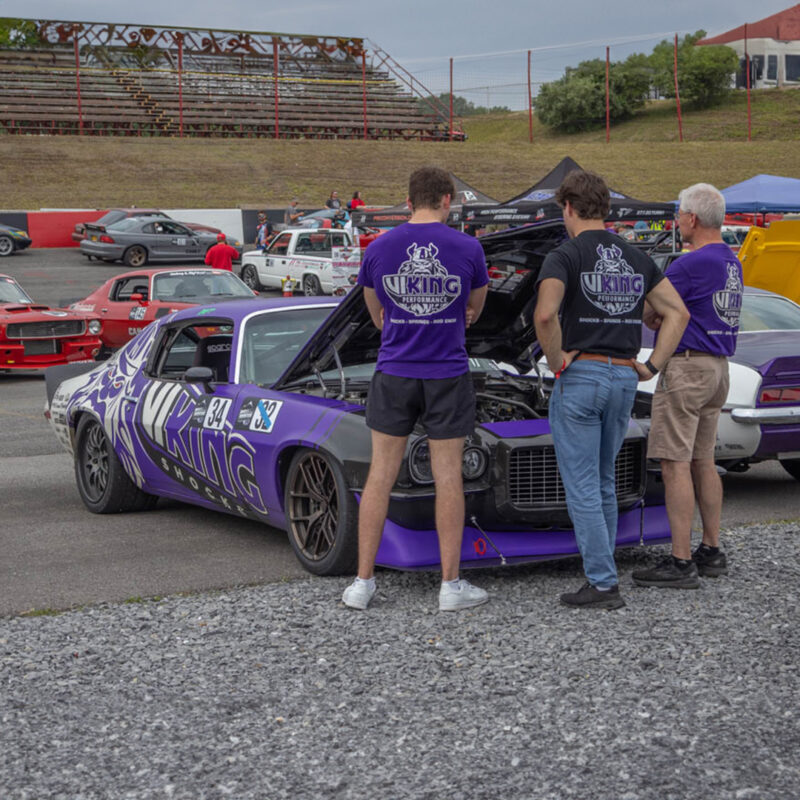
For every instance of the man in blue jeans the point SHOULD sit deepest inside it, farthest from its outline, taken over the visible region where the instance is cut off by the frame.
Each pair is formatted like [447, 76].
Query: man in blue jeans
[597, 284]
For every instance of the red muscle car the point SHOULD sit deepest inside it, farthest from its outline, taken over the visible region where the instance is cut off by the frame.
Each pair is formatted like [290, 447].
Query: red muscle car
[34, 336]
[131, 301]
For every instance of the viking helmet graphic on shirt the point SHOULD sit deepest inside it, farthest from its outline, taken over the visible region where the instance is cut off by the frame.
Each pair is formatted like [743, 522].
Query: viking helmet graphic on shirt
[728, 301]
[613, 286]
[422, 286]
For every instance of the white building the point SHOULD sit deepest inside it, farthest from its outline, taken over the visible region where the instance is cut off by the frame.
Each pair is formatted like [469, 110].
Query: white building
[774, 47]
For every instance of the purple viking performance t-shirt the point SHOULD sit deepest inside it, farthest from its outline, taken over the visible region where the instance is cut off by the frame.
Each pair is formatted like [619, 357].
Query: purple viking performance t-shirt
[422, 273]
[709, 281]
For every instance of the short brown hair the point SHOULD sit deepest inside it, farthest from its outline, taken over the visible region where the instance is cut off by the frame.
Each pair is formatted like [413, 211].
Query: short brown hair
[587, 193]
[428, 185]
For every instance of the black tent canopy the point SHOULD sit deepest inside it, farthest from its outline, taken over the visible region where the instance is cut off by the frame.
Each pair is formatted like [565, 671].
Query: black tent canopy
[466, 196]
[538, 203]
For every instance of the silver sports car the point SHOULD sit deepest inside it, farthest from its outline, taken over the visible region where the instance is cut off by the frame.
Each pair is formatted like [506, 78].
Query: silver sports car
[139, 240]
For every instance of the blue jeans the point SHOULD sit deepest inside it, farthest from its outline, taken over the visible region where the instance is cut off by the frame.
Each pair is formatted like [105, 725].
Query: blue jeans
[590, 408]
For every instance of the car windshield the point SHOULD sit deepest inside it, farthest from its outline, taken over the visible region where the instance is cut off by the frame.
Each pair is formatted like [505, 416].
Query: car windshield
[187, 285]
[765, 312]
[127, 224]
[12, 292]
[271, 340]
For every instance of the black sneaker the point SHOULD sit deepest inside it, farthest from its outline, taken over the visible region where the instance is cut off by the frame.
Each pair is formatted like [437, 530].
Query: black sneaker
[668, 575]
[710, 565]
[589, 597]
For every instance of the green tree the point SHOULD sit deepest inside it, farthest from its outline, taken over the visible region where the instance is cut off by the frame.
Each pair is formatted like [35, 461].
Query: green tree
[704, 73]
[19, 33]
[577, 102]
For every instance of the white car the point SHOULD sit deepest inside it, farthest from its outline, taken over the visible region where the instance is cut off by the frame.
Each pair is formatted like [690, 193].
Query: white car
[321, 261]
[760, 420]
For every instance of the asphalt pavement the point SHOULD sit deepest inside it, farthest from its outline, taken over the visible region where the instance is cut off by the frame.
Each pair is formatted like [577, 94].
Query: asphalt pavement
[54, 554]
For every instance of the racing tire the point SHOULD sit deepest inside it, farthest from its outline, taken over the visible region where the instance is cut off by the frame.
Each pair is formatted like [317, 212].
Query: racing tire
[103, 484]
[792, 466]
[311, 286]
[6, 246]
[321, 514]
[135, 256]
[250, 277]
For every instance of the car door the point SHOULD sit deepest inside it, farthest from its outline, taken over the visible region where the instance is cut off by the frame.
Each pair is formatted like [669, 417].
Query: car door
[276, 262]
[123, 317]
[178, 241]
[187, 428]
[304, 256]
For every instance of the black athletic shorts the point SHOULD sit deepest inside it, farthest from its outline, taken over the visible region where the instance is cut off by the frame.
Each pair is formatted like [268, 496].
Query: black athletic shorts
[444, 406]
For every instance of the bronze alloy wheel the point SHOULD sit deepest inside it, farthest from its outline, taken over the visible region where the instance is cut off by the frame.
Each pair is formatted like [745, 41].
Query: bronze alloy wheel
[321, 514]
[93, 463]
[136, 256]
[314, 507]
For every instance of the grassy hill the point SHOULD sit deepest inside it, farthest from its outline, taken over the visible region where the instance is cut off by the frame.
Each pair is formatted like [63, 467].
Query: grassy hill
[644, 159]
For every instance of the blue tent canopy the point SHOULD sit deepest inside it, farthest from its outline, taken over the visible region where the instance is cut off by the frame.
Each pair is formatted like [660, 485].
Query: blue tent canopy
[763, 193]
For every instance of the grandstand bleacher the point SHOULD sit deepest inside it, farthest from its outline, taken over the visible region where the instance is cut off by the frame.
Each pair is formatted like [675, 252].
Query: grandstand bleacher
[103, 79]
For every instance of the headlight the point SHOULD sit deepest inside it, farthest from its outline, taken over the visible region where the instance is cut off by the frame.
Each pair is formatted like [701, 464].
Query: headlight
[95, 326]
[473, 463]
[419, 462]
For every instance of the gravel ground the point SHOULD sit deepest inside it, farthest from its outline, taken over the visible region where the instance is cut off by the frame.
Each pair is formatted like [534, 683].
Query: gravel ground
[279, 691]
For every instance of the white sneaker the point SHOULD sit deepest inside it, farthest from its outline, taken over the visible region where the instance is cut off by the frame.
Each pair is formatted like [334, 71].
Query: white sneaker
[359, 593]
[462, 594]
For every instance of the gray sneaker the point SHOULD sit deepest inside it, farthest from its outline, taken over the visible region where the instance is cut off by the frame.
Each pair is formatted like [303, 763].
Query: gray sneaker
[455, 596]
[358, 594]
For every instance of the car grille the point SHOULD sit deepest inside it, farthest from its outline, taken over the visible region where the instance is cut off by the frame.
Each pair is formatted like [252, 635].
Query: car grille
[46, 329]
[534, 480]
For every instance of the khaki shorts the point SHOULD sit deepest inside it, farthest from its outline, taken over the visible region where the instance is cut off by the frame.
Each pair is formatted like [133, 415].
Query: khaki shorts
[686, 405]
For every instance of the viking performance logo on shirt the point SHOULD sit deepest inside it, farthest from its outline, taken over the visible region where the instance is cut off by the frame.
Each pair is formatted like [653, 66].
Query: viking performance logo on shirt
[728, 301]
[422, 286]
[613, 286]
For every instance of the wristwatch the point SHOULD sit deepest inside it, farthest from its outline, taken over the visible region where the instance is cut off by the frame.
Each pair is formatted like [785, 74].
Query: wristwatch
[652, 367]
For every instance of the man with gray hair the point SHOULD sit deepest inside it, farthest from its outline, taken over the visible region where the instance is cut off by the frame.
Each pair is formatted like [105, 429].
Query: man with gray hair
[692, 389]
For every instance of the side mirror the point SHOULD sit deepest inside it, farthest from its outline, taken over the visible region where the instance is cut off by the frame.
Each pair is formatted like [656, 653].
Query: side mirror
[136, 297]
[202, 375]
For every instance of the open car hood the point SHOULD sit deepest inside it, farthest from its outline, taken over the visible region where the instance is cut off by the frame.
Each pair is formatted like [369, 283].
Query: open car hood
[504, 331]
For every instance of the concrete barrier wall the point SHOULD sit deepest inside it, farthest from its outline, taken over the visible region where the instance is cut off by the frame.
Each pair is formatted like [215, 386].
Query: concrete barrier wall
[53, 227]
[228, 220]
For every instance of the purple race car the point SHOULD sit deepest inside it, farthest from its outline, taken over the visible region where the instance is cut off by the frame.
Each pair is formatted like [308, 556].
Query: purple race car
[256, 408]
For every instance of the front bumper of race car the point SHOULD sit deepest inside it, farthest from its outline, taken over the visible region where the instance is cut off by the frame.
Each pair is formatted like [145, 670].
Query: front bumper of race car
[517, 512]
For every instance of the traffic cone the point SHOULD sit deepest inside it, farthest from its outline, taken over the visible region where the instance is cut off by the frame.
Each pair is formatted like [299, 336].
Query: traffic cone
[287, 284]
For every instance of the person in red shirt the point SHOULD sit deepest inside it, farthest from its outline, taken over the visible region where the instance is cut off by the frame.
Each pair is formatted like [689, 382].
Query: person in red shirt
[356, 202]
[221, 255]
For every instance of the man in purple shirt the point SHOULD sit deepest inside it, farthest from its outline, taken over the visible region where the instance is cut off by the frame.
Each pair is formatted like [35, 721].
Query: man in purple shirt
[692, 389]
[423, 284]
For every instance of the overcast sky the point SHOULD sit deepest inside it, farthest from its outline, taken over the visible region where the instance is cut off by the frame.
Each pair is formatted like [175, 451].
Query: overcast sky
[423, 34]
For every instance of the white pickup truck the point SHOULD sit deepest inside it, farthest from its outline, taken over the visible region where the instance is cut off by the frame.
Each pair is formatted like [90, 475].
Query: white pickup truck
[317, 262]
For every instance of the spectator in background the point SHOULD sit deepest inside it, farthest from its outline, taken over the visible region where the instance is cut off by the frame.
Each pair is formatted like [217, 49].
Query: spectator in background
[263, 231]
[356, 202]
[292, 213]
[333, 201]
[221, 255]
